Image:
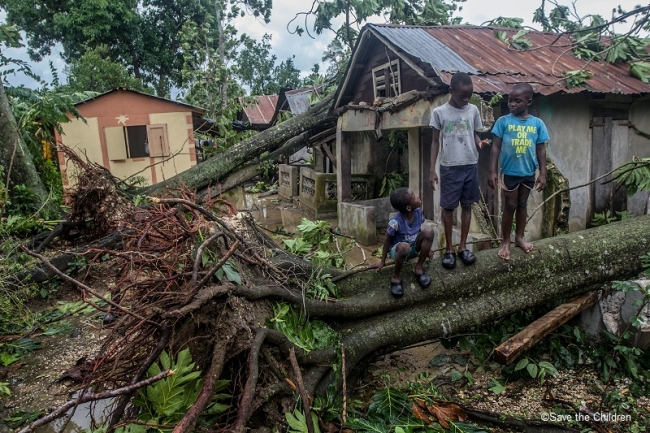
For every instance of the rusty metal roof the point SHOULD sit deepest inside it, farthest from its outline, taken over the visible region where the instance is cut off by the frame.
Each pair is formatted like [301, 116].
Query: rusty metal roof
[497, 66]
[260, 114]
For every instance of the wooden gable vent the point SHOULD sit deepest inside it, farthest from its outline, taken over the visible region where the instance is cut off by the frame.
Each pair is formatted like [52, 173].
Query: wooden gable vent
[386, 80]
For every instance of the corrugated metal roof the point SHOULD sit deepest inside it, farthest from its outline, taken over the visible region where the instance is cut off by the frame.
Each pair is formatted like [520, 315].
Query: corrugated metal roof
[298, 99]
[260, 113]
[499, 66]
[418, 43]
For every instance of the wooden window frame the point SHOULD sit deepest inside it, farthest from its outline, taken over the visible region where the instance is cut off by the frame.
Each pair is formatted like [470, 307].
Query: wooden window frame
[387, 73]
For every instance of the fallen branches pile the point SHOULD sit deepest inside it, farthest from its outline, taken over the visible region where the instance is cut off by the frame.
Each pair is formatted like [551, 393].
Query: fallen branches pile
[166, 295]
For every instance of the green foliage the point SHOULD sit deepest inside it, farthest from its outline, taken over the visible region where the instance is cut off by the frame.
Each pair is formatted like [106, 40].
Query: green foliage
[307, 334]
[97, 71]
[635, 176]
[496, 99]
[321, 287]
[518, 42]
[536, 370]
[640, 70]
[166, 401]
[210, 258]
[392, 181]
[298, 422]
[14, 315]
[514, 23]
[594, 38]
[269, 168]
[13, 351]
[259, 187]
[606, 217]
[21, 418]
[496, 387]
[6, 358]
[319, 244]
[4, 389]
[577, 78]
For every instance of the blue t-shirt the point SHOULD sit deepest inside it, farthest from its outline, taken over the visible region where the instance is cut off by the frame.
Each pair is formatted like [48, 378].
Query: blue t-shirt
[404, 231]
[520, 137]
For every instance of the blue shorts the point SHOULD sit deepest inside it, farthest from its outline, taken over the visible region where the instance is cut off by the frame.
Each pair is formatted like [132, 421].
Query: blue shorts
[458, 183]
[412, 252]
[511, 183]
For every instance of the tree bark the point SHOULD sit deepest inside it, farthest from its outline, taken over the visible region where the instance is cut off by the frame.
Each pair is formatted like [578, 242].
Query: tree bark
[18, 164]
[212, 170]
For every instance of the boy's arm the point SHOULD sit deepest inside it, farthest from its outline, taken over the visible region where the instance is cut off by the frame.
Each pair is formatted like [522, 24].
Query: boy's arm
[384, 253]
[435, 149]
[480, 143]
[493, 177]
[540, 183]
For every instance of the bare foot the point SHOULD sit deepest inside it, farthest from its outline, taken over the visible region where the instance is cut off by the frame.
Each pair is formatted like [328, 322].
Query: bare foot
[504, 251]
[526, 246]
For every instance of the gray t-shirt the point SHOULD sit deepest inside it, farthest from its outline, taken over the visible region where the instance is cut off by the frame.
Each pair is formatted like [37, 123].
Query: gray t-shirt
[457, 126]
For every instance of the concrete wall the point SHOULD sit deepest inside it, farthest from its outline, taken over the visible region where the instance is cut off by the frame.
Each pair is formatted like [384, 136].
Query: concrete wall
[567, 119]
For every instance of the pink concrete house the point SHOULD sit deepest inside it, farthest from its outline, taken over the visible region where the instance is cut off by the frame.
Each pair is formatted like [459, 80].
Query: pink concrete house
[133, 134]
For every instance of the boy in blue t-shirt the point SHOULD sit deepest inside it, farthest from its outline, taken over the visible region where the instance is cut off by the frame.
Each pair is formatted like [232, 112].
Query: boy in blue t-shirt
[405, 239]
[520, 147]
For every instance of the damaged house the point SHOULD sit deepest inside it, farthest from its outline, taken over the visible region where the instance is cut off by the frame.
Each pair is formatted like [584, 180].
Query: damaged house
[398, 74]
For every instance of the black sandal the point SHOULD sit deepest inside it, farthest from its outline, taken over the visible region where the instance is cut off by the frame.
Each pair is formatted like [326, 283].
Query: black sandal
[423, 279]
[467, 257]
[449, 261]
[396, 289]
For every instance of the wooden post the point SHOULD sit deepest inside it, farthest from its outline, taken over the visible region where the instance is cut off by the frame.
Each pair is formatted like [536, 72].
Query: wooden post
[510, 350]
[344, 165]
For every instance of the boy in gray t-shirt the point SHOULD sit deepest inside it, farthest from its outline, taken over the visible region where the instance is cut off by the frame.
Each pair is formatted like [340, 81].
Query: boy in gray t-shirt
[455, 124]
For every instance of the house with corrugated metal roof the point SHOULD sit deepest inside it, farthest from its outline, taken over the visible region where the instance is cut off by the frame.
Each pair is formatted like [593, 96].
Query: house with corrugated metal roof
[398, 74]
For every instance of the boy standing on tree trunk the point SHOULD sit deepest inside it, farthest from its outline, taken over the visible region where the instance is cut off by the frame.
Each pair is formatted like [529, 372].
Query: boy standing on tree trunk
[455, 138]
[520, 147]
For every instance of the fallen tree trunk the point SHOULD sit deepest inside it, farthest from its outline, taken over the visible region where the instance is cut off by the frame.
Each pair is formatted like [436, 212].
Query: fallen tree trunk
[249, 171]
[207, 173]
[558, 267]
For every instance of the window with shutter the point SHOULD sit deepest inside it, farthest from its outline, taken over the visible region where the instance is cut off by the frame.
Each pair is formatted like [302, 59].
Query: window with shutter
[386, 80]
[139, 141]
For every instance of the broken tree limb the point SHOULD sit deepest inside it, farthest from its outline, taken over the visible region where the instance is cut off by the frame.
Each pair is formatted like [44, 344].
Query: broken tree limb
[187, 423]
[210, 171]
[304, 396]
[94, 397]
[252, 170]
[87, 289]
[62, 262]
[251, 383]
[511, 349]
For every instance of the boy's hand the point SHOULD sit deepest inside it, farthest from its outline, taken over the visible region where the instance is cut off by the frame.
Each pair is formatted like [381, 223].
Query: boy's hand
[484, 142]
[493, 180]
[540, 183]
[377, 266]
[433, 178]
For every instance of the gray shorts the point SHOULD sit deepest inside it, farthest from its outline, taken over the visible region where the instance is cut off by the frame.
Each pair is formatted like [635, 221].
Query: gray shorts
[458, 184]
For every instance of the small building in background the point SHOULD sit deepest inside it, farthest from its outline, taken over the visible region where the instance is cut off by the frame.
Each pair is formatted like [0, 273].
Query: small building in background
[131, 133]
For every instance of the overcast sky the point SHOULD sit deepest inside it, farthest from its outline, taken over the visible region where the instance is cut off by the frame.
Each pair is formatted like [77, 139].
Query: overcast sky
[308, 51]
